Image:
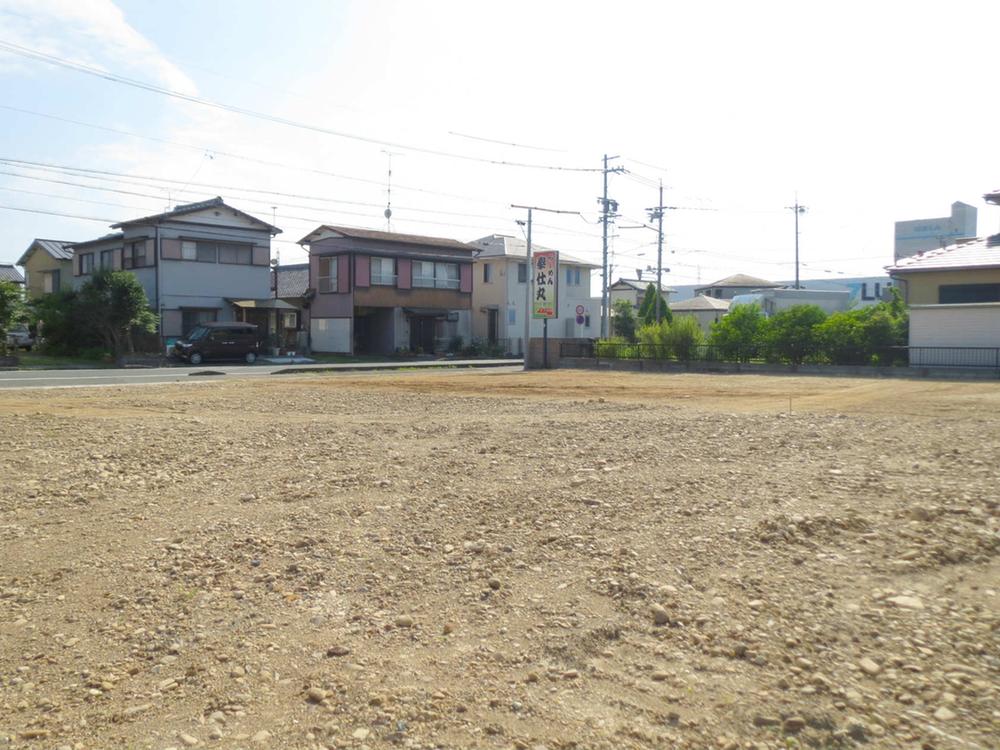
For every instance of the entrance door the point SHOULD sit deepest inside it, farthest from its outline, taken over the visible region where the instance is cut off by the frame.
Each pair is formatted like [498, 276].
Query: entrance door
[362, 334]
[492, 323]
[422, 334]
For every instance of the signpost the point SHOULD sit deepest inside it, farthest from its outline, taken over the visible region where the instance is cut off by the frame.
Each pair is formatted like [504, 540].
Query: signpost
[545, 293]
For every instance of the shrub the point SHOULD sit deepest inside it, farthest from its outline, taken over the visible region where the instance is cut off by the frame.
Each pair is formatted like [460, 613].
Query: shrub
[739, 332]
[623, 320]
[62, 325]
[684, 336]
[11, 309]
[791, 334]
[614, 347]
[655, 340]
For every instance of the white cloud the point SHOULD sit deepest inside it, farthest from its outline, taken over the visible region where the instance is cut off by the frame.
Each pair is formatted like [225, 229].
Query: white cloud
[67, 28]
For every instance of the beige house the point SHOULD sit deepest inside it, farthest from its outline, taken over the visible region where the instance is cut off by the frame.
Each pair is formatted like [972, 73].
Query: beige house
[48, 266]
[706, 310]
[954, 298]
[498, 295]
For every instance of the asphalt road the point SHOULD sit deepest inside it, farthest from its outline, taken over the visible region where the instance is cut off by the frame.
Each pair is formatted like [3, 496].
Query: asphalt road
[14, 379]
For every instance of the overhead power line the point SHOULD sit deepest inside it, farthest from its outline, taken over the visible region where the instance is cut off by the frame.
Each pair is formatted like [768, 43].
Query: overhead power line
[244, 157]
[151, 181]
[115, 78]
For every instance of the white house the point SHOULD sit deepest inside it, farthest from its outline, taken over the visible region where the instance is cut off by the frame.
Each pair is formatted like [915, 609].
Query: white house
[193, 261]
[499, 294]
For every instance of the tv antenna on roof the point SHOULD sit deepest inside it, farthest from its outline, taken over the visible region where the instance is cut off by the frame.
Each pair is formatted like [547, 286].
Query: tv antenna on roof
[388, 191]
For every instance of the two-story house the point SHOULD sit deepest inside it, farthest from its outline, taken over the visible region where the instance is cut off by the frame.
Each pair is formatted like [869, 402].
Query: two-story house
[48, 266]
[499, 294]
[633, 291]
[195, 262]
[379, 292]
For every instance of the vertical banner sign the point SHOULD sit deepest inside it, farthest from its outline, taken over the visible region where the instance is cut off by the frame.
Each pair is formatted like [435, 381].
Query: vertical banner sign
[545, 277]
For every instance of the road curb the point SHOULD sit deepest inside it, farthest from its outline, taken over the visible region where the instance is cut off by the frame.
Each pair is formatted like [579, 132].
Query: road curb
[394, 368]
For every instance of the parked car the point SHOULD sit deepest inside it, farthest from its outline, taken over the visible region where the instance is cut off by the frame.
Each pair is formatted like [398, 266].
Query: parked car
[219, 341]
[20, 338]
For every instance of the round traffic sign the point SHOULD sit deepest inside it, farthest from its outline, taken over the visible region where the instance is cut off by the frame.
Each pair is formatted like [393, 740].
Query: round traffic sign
[580, 309]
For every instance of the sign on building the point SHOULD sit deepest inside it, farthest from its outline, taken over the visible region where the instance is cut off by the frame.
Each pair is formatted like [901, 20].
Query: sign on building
[545, 281]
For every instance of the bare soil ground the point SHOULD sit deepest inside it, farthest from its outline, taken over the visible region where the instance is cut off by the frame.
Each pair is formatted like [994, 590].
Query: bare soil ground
[485, 560]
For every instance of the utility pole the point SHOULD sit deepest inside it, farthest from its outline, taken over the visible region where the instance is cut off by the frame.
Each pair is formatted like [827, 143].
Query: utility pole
[657, 213]
[797, 209]
[528, 274]
[608, 210]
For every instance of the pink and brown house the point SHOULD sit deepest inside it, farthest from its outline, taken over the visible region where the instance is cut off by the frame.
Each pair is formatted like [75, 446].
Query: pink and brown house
[382, 292]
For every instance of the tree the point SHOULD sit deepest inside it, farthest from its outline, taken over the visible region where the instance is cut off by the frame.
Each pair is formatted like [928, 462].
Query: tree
[739, 332]
[61, 326]
[11, 309]
[684, 337]
[792, 333]
[647, 309]
[114, 303]
[866, 335]
[623, 319]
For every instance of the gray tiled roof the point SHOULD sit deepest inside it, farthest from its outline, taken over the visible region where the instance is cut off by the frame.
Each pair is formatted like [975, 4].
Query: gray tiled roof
[701, 302]
[188, 208]
[505, 245]
[980, 253]
[293, 280]
[9, 273]
[741, 280]
[58, 249]
[642, 286]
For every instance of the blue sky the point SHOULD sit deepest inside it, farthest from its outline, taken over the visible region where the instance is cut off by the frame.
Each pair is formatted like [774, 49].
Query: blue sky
[870, 112]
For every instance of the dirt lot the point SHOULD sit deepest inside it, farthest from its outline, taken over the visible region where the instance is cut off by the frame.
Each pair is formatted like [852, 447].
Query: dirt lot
[485, 560]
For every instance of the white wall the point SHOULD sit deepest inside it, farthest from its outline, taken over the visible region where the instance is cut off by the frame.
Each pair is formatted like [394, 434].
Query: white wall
[331, 334]
[973, 325]
[565, 326]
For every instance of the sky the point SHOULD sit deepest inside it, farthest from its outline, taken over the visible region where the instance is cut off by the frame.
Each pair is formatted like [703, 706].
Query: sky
[866, 113]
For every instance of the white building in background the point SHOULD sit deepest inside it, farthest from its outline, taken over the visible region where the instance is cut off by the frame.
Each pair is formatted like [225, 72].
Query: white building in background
[772, 301]
[498, 294]
[916, 235]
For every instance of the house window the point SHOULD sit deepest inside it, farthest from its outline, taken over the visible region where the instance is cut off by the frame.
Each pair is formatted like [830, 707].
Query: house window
[107, 259]
[423, 273]
[446, 276]
[383, 271]
[51, 281]
[189, 250]
[193, 316]
[134, 255]
[328, 275]
[290, 320]
[957, 294]
[572, 276]
[522, 273]
[487, 273]
[87, 263]
[239, 254]
[435, 275]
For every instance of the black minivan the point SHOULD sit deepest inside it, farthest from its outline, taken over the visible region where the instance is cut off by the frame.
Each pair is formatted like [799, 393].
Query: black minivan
[219, 341]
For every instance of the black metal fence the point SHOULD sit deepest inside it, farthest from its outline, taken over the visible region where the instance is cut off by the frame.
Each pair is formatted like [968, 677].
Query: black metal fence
[892, 356]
